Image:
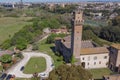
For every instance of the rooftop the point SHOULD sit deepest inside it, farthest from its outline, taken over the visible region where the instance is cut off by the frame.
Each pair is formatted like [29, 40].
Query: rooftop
[84, 44]
[96, 50]
[6, 52]
[117, 46]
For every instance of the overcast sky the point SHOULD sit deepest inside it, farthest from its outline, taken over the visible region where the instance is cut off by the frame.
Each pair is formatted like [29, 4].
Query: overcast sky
[52, 0]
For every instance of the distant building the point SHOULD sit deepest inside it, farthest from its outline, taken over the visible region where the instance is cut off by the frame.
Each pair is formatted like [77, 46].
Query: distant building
[6, 52]
[113, 15]
[51, 6]
[47, 30]
[8, 5]
[96, 14]
[62, 5]
[60, 31]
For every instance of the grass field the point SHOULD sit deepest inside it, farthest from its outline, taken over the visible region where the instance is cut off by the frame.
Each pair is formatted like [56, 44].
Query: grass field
[1, 68]
[35, 64]
[22, 79]
[95, 23]
[47, 48]
[27, 78]
[11, 25]
[99, 73]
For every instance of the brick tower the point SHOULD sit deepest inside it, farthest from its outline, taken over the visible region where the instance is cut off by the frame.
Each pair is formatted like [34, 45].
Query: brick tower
[76, 37]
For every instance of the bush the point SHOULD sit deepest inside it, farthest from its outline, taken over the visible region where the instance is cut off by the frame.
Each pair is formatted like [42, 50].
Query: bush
[6, 44]
[6, 58]
[65, 72]
[52, 37]
[35, 47]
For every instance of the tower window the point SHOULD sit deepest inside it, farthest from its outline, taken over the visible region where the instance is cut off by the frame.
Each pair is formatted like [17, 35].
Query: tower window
[105, 57]
[88, 63]
[100, 62]
[94, 63]
[83, 58]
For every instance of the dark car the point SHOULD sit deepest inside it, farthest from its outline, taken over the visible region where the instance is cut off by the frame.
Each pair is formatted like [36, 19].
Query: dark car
[22, 68]
[8, 77]
[3, 76]
[52, 64]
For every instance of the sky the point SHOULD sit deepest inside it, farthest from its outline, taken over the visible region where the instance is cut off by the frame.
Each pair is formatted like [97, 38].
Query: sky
[52, 0]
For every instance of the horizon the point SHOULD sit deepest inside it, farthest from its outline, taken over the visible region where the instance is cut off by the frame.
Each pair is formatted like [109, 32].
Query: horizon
[10, 1]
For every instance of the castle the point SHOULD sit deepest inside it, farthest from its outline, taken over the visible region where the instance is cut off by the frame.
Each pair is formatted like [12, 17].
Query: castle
[87, 53]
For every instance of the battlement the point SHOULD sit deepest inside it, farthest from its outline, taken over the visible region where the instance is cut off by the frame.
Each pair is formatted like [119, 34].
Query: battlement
[77, 17]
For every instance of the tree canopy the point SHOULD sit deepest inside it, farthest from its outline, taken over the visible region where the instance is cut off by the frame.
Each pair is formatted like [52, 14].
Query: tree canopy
[6, 58]
[66, 72]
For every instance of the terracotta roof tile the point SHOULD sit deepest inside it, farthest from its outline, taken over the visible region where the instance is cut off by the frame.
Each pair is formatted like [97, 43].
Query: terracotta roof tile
[117, 46]
[96, 50]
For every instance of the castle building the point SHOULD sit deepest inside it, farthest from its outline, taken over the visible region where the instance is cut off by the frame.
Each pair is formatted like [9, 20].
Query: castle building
[86, 52]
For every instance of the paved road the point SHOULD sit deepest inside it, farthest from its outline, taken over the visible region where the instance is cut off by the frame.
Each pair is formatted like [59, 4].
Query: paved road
[15, 70]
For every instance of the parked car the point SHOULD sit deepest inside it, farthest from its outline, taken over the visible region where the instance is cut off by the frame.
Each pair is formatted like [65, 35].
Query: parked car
[8, 77]
[42, 74]
[22, 68]
[52, 64]
[3, 76]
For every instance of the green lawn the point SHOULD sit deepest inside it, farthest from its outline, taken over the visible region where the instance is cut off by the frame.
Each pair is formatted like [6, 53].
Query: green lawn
[35, 64]
[99, 73]
[11, 25]
[1, 68]
[46, 48]
[22, 79]
[27, 79]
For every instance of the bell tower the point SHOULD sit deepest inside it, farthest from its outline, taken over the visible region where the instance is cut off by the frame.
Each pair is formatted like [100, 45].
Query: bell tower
[76, 36]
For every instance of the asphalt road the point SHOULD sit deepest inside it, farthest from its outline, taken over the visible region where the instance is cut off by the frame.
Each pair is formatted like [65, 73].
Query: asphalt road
[15, 70]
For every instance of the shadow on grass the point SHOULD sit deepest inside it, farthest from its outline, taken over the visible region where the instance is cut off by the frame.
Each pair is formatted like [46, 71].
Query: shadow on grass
[60, 57]
[54, 51]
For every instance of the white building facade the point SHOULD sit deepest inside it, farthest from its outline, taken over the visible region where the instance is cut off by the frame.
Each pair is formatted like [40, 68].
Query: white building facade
[95, 60]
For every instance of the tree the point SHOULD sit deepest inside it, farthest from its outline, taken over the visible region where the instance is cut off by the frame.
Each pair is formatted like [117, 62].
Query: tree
[6, 58]
[65, 72]
[21, 44]
[35, 47]
[52, 37]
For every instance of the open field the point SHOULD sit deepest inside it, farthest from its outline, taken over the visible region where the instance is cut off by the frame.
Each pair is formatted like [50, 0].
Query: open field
[35, 64]
[99, 73]
[11, 25]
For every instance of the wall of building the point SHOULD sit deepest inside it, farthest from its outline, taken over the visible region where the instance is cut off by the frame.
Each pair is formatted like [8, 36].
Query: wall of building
[95, 60]
[118, 59]
[64, 51]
